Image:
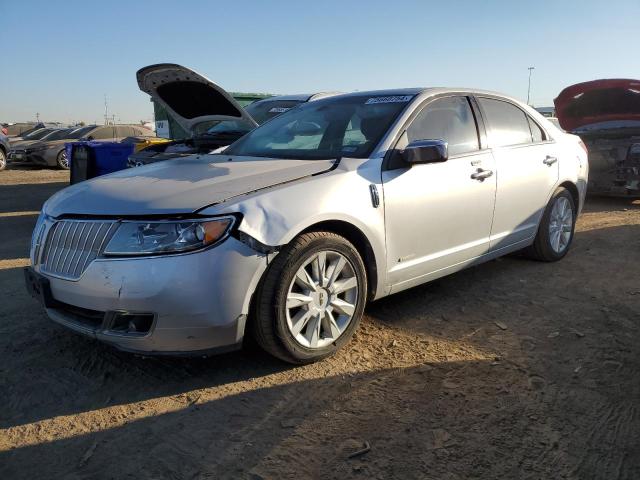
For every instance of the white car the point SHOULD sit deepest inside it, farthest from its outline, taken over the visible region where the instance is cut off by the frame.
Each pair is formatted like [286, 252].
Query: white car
[289, 232]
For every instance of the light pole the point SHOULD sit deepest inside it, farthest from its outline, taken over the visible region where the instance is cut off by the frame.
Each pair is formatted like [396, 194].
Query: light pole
[529, 88]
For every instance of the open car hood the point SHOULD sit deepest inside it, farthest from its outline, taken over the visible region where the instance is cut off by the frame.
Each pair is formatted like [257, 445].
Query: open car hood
[598, 101]
[189, 97]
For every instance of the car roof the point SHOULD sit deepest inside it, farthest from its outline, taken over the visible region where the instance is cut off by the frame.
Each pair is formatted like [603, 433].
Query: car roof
[428, 91]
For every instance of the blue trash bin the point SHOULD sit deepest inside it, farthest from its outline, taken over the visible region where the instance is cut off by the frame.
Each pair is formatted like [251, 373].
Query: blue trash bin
[92, 159]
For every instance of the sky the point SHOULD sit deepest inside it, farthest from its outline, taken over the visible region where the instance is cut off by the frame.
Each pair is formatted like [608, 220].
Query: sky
[59, 59]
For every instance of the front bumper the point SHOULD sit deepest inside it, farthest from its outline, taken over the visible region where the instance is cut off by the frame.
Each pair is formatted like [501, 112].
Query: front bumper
[199, 301]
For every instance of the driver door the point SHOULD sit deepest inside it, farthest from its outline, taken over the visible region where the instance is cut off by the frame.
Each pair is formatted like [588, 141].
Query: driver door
[437, 217]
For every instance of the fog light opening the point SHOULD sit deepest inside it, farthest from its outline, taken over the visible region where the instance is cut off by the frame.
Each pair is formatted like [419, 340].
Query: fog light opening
[132, 323]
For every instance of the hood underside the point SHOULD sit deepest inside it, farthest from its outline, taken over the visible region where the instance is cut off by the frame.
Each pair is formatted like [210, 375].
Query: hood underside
[189, 97]
[598, 102]
[178, 186]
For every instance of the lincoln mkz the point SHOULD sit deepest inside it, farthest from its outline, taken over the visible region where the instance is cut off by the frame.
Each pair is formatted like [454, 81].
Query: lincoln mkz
[289, 232]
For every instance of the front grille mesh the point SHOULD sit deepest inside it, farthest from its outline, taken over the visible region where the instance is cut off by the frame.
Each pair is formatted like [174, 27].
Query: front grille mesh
[71, 245]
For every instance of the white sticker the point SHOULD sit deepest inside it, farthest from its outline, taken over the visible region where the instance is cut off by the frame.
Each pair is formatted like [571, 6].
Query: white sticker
[279, 109]
[162, 129]
[390, 99]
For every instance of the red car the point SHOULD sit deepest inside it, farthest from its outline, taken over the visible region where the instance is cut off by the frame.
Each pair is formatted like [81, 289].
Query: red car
[606, 115]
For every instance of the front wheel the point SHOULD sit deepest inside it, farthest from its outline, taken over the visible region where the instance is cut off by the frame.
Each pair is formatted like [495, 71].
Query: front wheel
[311, 299]
[3, 159]
[62, 160]
[556, 229]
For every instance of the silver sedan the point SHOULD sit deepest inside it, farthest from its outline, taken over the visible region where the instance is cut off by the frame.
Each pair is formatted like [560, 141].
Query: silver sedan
[289, 232]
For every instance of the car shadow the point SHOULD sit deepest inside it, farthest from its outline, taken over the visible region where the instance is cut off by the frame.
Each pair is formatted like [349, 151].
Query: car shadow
[611, 204]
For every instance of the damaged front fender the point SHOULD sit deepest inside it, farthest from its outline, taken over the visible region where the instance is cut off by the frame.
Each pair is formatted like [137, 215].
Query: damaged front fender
[272, 218]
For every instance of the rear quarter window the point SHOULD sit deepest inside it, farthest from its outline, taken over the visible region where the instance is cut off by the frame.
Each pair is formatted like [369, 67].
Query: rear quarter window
[537, 134]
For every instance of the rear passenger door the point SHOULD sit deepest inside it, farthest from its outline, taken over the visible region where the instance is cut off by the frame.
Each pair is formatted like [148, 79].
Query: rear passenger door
[527, 167]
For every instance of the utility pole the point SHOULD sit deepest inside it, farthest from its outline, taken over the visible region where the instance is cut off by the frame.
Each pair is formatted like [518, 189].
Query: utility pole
[529, 88]
[106, 110]
[37, 117]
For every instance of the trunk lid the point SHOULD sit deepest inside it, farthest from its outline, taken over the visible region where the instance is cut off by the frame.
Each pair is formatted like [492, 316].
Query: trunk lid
[189, 97]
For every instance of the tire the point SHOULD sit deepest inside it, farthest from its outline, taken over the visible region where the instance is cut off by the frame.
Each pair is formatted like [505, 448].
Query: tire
[61, 160]
[3, 159]
[556, 229]
[286, 330]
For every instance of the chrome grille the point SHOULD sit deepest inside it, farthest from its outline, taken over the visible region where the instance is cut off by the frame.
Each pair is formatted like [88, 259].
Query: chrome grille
[71, 245]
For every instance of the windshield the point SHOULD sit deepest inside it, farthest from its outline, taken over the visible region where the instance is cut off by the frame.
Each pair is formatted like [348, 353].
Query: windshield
[221, 128]
[29, 131]
[38, 134]
[80, 132]
[267, 109]
[348, 126]
[57, 134]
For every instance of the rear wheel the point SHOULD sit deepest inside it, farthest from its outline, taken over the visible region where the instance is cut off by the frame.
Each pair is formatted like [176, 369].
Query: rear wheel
[311, 298]
[62, 160]
[557, 226]
[3, 159]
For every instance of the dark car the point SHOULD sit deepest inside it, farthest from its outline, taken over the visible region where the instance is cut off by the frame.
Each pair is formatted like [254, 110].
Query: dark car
[606, 116]
[50, 151]
[4, 150]
[211, 116]
[35, 135]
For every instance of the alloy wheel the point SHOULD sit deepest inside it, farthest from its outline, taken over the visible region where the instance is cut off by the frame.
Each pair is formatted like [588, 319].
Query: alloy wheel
[321, 299]
[560, 224]
[63, 160]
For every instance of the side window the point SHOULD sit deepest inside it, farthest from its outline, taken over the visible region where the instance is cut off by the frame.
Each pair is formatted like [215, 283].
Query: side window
[122, 132]
[508, 125]
[449, 119]
[102, 133]
[536, 132]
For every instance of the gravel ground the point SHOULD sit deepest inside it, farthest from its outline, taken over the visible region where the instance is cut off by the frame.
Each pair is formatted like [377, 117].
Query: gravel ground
[512, 369]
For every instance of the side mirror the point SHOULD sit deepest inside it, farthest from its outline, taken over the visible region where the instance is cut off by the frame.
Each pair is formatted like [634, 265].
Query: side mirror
[89, 138]
[425, 151]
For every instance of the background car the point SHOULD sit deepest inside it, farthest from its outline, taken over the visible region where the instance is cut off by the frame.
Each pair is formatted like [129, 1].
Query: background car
[606, 115]
[21, 129]
[220, 119]
[34, 135]
[50, 150]
[4, 151]
[299, 223]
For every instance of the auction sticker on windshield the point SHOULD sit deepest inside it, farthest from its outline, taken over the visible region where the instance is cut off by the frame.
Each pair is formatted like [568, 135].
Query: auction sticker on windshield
[389, 99]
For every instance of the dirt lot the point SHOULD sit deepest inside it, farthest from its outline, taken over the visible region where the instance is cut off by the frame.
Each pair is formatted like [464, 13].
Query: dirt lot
[513, 369]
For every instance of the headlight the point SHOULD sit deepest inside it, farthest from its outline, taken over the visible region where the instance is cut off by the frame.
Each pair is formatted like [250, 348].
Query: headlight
[147, 238]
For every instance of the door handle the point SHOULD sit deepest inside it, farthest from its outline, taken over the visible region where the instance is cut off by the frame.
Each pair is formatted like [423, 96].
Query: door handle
[481, 174]
[549, 160]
